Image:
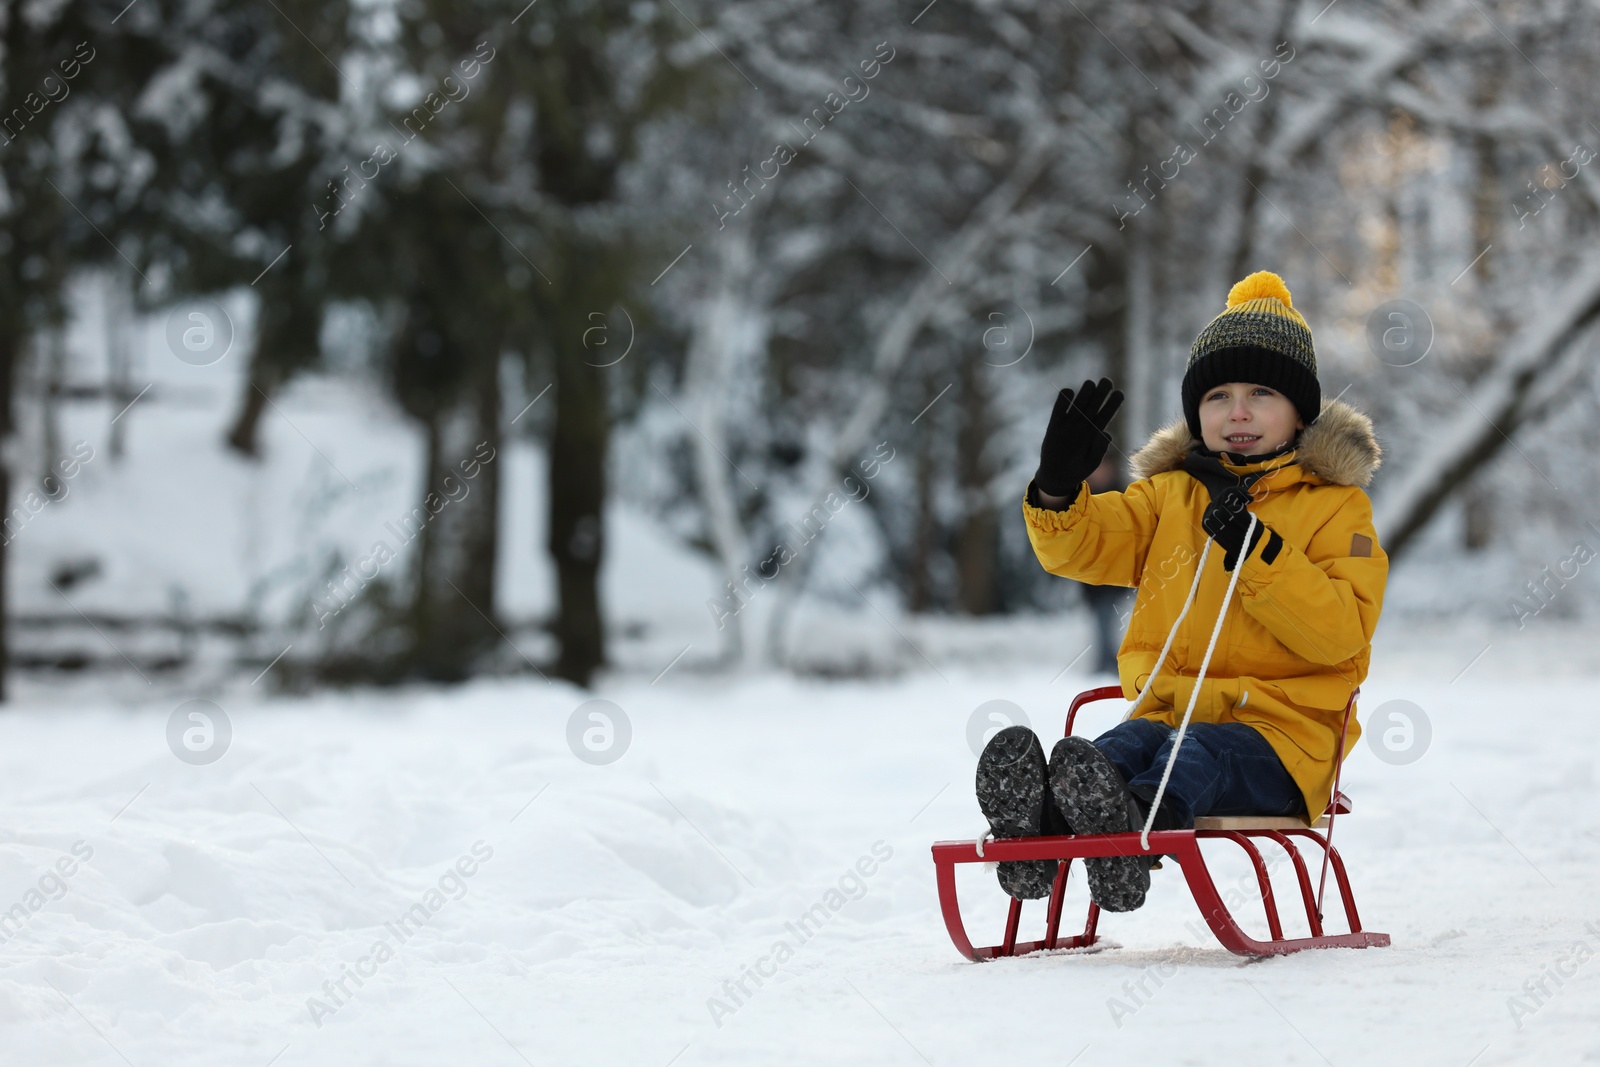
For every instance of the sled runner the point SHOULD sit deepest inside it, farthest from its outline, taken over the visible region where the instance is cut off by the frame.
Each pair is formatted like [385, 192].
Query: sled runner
[1184, 845]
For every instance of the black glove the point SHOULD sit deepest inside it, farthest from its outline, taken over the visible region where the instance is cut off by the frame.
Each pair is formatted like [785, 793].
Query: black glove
[1225, 520]
[1076, 440]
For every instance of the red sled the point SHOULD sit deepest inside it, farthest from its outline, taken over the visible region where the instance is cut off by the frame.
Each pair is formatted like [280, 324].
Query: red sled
[1184, 845]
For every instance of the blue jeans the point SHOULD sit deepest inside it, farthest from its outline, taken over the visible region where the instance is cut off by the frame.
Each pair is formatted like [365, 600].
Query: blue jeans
[1223, 768]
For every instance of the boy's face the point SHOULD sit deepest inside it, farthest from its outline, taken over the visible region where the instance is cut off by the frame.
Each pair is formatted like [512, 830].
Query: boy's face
[1247, 419]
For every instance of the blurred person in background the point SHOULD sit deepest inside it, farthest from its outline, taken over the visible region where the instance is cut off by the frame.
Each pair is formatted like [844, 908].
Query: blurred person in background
[1108, 603]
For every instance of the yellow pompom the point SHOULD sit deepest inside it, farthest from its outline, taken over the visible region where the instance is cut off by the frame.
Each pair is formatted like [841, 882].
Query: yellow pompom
[1261, 283]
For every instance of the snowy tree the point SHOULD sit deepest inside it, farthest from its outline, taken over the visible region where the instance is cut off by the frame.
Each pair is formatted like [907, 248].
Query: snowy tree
[64, 162]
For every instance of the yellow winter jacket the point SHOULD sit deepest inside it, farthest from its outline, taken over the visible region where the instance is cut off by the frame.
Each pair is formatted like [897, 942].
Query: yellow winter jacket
[1298, 636]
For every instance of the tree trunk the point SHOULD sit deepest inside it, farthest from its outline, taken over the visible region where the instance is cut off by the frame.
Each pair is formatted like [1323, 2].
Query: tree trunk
[10, 346]
[5, 566]
[244, 435]
[979, 544]
[578, 470]
[1139, 418]
[288, 324]
[453, 606]
[1478, 512]
[709, 367]
[979, 540]
[119, 322]
[1488, 201]
[920, 580]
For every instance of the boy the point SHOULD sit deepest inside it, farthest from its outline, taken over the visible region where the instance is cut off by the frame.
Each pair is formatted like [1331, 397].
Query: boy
[1256, 441]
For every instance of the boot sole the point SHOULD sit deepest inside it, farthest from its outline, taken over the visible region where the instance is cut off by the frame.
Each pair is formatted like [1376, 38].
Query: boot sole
[1010, 786]
[1092, 795]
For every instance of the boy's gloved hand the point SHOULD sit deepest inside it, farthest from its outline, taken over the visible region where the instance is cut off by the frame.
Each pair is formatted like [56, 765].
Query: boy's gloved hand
[1076, 440]
[1225, 520]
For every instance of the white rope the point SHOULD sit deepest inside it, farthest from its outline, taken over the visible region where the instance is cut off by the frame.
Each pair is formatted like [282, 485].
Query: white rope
[1194, 695]
[1161, 660]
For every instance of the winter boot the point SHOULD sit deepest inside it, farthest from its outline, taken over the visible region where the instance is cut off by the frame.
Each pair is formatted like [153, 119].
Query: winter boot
[1013, 796]
[1089, 791]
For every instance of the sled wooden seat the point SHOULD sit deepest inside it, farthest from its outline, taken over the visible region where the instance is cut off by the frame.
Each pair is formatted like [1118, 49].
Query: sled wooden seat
[1256, 822]
[1339, 805]
[1182, 845]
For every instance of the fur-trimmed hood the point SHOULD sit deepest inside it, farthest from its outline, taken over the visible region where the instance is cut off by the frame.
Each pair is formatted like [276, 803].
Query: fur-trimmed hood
[1340, 447]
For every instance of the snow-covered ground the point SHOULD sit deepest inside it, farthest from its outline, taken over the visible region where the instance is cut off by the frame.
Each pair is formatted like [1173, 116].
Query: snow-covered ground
[570, 912]
[436, 876]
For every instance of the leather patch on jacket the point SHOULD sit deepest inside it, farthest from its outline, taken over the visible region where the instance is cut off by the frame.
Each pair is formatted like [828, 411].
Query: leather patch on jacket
[1360, 545]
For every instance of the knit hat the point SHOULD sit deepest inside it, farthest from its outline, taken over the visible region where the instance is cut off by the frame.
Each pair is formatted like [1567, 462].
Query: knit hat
[1260, 338]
